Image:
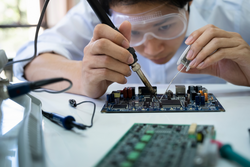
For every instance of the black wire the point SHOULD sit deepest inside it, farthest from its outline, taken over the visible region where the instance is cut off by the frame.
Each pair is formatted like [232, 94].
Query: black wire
[38, 85]
[93, 111]
[36, 36]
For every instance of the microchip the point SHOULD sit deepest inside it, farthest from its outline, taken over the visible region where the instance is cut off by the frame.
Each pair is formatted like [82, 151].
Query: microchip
[180, 90]
[120, 106]
[170, 103]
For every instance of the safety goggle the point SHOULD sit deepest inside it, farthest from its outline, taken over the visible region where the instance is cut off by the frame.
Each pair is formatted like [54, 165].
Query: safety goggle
[153, 24]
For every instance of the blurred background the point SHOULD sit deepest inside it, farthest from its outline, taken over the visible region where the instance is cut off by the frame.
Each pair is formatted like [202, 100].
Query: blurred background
[18, 20]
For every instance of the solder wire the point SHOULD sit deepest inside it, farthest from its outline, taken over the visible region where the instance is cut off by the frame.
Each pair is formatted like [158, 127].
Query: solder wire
[171, 82]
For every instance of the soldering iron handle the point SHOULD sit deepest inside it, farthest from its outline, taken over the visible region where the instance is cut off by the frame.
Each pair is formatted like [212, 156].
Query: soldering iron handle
[103, 17]
[101, 14]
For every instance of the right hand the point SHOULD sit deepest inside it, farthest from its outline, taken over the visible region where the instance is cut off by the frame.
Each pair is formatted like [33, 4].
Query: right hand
[106, 59]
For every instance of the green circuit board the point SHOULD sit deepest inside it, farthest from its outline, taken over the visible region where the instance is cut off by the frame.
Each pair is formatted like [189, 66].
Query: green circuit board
[161, 145]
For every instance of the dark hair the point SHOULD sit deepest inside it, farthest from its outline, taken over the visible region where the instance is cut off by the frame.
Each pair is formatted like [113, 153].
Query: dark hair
[107, 3]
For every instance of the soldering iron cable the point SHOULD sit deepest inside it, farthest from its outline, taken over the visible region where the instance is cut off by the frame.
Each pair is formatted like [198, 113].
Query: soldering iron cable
[36, 36]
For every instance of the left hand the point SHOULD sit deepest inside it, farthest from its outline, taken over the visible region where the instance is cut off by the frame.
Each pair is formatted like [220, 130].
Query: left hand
[220, 53]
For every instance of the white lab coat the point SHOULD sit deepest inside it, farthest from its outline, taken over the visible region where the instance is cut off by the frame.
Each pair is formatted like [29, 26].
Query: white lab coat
[75, 30]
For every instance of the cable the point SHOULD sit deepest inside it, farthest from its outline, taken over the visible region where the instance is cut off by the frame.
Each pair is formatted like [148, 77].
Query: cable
[36, 36]
[227, 152]
[38, 84]
[53, 80]
[73, 103]
[93, 111]
[18, 89]
[68, 122]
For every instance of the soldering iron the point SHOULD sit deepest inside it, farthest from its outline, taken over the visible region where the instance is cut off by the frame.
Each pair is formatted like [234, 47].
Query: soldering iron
[101, 14]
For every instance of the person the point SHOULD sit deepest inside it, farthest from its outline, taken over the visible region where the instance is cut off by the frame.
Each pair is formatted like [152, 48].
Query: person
[94, 55]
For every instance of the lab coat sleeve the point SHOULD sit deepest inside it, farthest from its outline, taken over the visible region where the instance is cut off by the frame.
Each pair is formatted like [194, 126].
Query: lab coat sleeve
[68, 38]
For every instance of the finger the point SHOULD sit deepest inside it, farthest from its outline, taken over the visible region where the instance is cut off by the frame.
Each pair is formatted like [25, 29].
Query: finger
[207, 70]
[211, 47]
[109, 75]
[204, 39]
[105, 31]
[216, 57]
[196, 34]
[107, 47]
[125, 29]
[109, 63]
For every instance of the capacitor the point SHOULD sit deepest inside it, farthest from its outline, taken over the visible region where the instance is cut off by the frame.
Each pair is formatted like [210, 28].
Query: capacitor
[206, 97]
[197, 100]
[133, 91]
[130, 93]
[125, 93]
[190, 89]
[121, 96]
[198, 88]
[204, 90]
[202, 101]
[200, 137]
[201, 92]
[112, 97]
[192, 95]
[108, 98]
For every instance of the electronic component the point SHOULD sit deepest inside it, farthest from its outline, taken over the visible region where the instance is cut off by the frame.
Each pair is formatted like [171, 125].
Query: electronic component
[157, 145]
[120, 106]
[190, 100]
[192, 129]
[145, 91]
[170, 103]
[180, 90]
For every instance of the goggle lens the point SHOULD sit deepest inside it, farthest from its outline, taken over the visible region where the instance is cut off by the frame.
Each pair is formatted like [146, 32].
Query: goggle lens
[163, 28]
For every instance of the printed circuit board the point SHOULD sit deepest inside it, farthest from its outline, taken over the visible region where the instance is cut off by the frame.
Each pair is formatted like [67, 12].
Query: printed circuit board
[195, 99]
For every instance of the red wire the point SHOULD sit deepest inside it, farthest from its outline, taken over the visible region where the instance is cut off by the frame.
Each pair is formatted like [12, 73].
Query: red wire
[219, 144]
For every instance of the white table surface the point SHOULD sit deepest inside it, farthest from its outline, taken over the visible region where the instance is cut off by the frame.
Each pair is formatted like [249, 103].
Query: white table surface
[86, 148]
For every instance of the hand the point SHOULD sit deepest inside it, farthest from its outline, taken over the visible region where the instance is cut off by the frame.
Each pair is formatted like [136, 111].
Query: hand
[106, 59]
[220, 53]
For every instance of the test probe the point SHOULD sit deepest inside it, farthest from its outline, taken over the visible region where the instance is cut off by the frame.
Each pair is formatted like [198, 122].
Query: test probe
[101, 14]
[67, 122]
